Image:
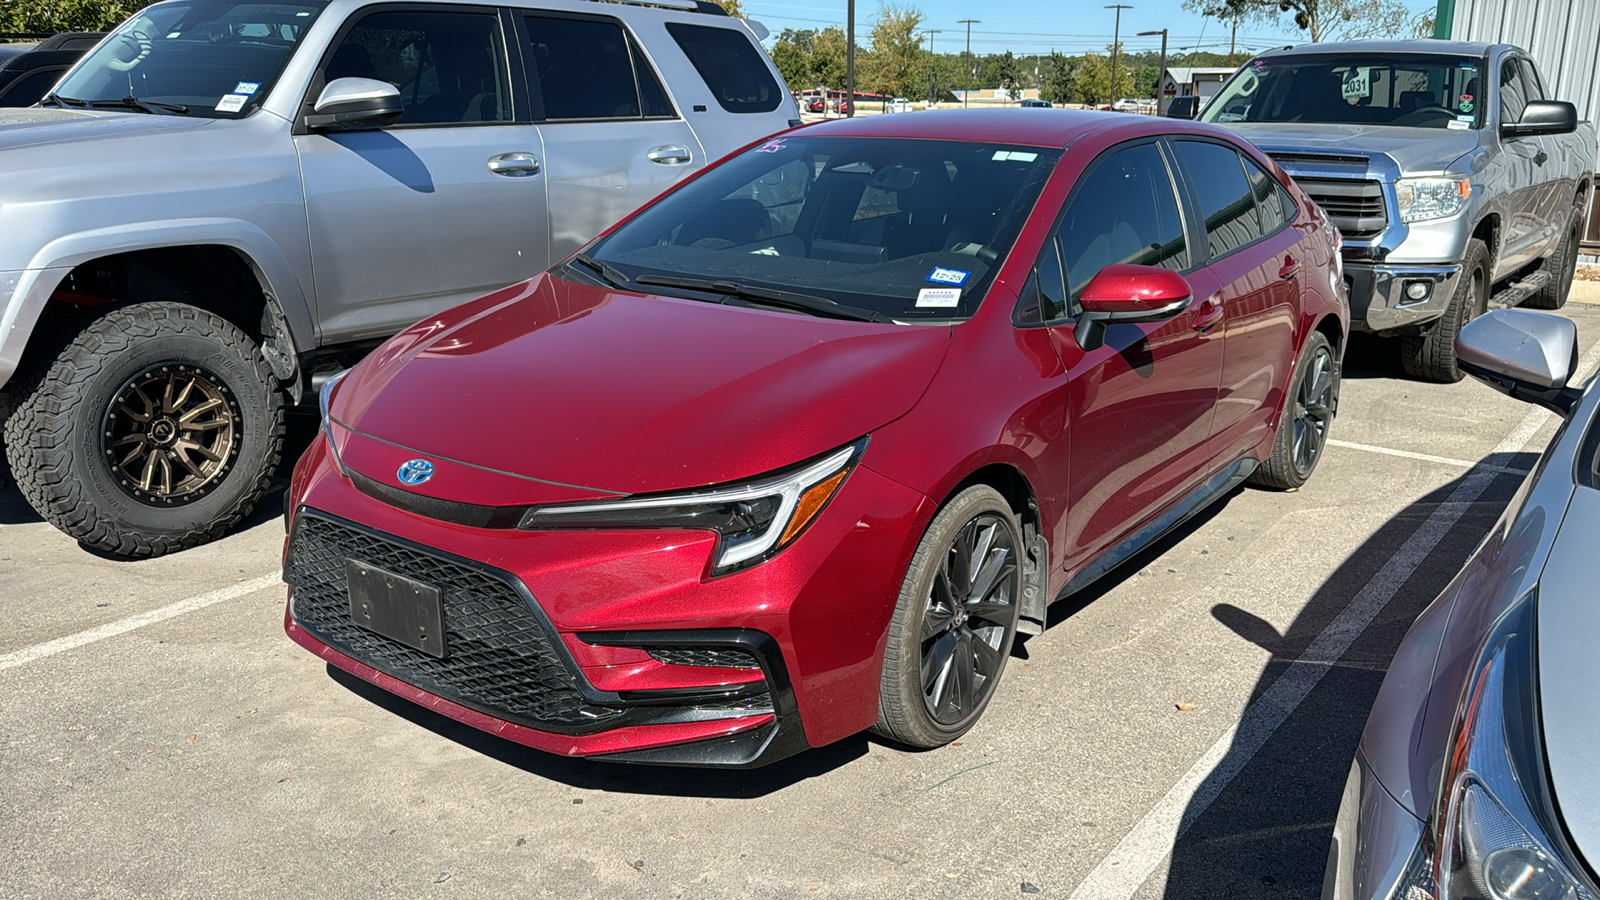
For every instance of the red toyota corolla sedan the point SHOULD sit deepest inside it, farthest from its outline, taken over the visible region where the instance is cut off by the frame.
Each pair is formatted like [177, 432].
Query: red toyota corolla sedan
[797, 449]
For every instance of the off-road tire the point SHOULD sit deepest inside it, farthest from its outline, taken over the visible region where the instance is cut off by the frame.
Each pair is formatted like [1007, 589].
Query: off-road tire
[55, 439]
[1431, 356]
[1308, 413]
[1561, 265]
[903, 714]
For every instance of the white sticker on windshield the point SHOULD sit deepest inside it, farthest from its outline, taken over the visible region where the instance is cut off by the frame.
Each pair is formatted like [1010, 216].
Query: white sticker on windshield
[232, 103]
[246, 87]
[1458, 125]
[1014, 156]
[943, 298]
[1357, 83]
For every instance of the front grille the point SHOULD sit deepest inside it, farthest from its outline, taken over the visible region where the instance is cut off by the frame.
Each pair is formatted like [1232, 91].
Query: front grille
[500, 660]
[711, 657]
[1356, 207]
[1319, 159]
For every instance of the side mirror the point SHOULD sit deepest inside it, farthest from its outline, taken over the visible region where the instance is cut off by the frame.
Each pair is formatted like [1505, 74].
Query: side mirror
[1544, 117]
[1527, 355]
[1128, 293]
[354, 104]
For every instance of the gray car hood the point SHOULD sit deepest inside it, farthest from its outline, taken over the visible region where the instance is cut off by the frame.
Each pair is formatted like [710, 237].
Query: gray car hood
[37, 126]
[1415, 150]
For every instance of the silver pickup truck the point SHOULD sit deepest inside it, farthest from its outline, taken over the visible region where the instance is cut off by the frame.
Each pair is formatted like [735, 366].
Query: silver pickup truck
[1459, 184]
[225, 202]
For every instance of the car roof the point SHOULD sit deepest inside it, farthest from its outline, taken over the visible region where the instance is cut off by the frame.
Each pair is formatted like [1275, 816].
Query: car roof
[1052, 128]
[1430, 47]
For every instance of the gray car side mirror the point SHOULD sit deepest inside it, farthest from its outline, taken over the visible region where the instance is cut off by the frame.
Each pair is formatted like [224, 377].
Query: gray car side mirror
[353, 104]
[1527, 355]
[1544, 117]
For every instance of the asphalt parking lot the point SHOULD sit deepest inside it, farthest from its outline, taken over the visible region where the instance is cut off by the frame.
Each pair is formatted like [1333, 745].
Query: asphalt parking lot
[1182, 730]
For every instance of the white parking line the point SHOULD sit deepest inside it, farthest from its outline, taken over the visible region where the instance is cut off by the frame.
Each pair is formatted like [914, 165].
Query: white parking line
[1137, 855]
[1426, 457]
[123, 626]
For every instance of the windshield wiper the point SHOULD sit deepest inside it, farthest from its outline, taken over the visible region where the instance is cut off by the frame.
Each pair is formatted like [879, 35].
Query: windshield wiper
[56, 99]
[604, 271]
[154, 107]
[757, 296]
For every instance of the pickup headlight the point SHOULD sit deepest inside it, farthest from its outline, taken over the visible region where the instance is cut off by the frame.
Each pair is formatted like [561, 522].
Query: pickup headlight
[1431, 198]
[1493, 833]
[753, 520]
[324, 397]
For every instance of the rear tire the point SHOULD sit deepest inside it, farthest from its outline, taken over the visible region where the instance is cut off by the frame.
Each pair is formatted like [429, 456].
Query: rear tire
[1432, 356]
[1562, 266]
[156, 429]
[1308, 413]
[954, 623]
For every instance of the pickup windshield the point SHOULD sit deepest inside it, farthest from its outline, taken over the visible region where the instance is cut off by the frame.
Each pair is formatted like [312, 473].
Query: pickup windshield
[884, 228]
[1405, 90]
[212, 58]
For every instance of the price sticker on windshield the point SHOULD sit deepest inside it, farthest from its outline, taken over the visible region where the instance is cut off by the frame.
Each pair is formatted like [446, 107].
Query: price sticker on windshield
[232, 103]
[938, 298]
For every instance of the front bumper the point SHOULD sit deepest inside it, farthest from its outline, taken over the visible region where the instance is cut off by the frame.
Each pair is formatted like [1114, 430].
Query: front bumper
[1378, 298]
[1374, 841]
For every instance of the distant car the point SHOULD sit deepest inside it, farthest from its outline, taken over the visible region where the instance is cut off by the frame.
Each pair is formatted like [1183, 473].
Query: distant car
[1183, 106]
[1126, 104]
[842, 106]
[899, 104]
[816, 104]
[28, 71]
[1475, 775]
[1035, 104]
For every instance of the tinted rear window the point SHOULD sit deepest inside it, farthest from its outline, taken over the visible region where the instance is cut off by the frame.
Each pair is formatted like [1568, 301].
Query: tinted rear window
[1225, 199]
[731, 66]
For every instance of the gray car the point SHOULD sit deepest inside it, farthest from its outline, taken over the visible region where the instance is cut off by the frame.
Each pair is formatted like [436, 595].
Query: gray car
[225, 202]
[1478, 774]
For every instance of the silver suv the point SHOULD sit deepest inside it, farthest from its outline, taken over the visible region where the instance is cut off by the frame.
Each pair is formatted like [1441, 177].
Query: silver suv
[225, 201]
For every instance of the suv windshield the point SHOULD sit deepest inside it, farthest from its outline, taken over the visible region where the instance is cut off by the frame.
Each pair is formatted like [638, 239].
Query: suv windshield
[904, 229]
[210, 58]
[1419, 91]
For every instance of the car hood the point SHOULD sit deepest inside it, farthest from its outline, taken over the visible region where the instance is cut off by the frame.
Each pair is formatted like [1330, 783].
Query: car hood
[582, 388]
[1414, 150]
[36, 126]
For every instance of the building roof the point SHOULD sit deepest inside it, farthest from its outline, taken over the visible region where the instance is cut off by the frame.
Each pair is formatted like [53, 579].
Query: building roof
[1186, 74]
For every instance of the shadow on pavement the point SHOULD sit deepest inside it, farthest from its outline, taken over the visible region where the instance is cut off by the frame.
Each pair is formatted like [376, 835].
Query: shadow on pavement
[1267, 833]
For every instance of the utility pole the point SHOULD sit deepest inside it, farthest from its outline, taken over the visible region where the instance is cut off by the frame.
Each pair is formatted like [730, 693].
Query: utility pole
[933, 65]
[966, 93]
[1233, 41]
[1161, 72]
[850, 57]
[1116, 35]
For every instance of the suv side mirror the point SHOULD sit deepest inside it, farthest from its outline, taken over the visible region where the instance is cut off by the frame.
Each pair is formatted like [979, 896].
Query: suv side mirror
[1544, 117]
[353, 104]
[1128, 293]
[1527, 355]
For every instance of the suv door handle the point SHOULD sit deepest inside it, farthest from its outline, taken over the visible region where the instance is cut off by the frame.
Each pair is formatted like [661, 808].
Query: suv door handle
[668, 155]
[1540, 157]
[1208, 315]
[514, 165]
[1291, 268]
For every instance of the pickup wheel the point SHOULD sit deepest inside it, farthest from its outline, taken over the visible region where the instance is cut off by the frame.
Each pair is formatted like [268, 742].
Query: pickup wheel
[1562, 265]
[155, 430]
[1307, 414]
[1432, 356]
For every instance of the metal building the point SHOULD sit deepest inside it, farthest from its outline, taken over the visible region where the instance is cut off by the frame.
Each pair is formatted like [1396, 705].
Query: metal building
[1562, 36]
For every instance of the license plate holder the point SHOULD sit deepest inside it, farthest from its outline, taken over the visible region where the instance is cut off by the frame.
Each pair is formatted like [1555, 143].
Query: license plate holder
[400, 608]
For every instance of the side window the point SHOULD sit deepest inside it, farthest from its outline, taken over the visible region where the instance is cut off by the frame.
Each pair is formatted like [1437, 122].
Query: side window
[1225, 199]
[449, 66]
[1532, 87]
[1124, 211]
[1513, 99]
[1269, 205]
[582, 68]
[731, 66]
[651, 93]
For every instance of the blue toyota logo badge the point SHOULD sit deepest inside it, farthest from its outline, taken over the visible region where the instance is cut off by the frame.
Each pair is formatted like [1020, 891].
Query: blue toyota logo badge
[415, 471]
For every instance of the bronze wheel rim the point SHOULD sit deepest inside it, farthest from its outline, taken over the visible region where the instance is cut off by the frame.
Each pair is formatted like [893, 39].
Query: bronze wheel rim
[171, 434]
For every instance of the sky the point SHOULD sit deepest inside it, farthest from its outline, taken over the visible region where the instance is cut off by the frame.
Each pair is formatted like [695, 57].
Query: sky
[1038, 26]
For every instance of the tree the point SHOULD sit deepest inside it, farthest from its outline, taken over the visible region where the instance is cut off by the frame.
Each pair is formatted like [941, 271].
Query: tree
[1008, 75]
[827, 57]
[791, 53]
[67, 15]
[1059, 79]
[894, 66]
[1094, 84]
[1321, 20]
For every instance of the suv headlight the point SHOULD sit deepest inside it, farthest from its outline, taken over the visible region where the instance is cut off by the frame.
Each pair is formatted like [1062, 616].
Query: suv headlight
[1494, 833]
[1431, 198]
[753, 520]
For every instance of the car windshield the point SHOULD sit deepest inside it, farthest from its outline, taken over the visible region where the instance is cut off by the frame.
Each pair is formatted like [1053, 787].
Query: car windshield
[204, 57]
[1419, 91]
[904, 229]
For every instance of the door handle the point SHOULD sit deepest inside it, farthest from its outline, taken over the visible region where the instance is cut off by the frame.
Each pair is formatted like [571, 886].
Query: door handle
[1291, 268]
[514, 165]
[668, 155]
[1208, 315]
[1540, 157]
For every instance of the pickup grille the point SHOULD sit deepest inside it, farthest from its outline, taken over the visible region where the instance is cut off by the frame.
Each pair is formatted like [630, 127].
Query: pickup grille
[1356, 207]
[1321, 159]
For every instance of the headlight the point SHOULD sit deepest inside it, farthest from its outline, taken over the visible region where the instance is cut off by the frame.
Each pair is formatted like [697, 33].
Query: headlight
[324, 397]
[753, 520]
[1494, 833]
[1431, 198]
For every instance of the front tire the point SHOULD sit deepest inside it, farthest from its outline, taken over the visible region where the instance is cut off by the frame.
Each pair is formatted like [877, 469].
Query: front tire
[1307, 415]
[1432, 356]
[954, 623]
[155, 430]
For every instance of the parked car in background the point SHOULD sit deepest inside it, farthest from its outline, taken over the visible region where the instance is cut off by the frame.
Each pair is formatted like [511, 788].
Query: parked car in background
[224, 202]
[1183, 106]
[27, 71]
[1126, 104]
[1460, 183]
[899, 104]
[1034, 102]
[816, 105]
[875, 392]
[842, 106]
[1475, 775]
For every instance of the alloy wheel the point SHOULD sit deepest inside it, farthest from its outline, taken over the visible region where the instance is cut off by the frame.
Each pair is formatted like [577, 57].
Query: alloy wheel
[967, 619]
[1313, 411]
[171, 433]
